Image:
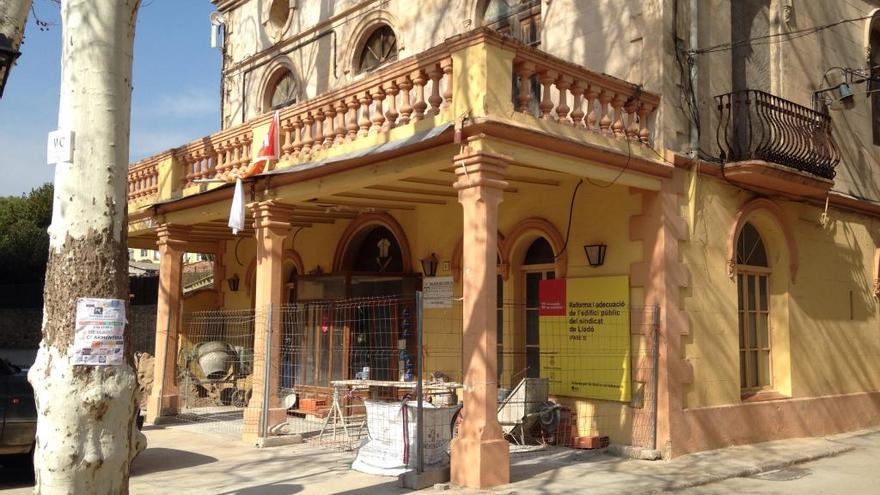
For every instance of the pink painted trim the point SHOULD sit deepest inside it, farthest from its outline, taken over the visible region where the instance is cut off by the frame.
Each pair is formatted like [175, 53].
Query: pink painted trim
[723, 426]
[746, 213]
[366, 220]
[548, 231]
[877, 272]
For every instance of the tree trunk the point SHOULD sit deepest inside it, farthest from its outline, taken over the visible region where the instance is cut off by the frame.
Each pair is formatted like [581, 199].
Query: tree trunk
[86, 432]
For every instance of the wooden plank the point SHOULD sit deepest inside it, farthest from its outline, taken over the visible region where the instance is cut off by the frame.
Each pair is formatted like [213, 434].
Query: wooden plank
[402, 199]
[363, 206]
[449, 192]
[445, 183]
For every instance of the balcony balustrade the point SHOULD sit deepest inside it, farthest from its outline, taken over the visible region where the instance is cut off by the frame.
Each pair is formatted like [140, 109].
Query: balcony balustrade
[755, 125]
[555, 92]
[599, 103]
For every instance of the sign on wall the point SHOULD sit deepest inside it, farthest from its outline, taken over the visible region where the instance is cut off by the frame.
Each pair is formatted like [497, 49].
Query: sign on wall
[437, 292]
[584, 326]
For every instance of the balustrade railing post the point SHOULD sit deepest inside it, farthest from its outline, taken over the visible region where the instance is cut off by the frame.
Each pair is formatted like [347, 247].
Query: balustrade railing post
[406, 109]
[446, 67]
[378, 119]
[562, 108]
[419, 80]
[391, 114]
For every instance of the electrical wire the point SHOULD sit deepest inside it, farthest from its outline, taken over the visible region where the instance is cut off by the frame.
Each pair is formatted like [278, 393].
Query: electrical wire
[619, 173]
[776, 37]
[570, 214]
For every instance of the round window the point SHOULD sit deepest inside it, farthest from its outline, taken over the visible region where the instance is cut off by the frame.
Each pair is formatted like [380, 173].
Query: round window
[279, 12]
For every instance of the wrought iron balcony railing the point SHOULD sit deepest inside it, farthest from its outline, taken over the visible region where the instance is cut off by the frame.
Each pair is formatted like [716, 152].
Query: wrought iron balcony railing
[755, 125]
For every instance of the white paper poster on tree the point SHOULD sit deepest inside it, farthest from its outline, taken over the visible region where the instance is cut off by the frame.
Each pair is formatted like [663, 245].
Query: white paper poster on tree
[100, 324]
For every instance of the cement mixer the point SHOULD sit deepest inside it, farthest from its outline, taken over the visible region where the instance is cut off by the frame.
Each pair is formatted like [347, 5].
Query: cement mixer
[215, 358]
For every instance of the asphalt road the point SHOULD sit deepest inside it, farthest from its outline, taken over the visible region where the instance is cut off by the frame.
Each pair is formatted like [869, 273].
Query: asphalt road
[853, 473]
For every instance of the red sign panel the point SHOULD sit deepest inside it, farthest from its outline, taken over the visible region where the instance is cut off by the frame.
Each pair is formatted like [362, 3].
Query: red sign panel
[551, 296]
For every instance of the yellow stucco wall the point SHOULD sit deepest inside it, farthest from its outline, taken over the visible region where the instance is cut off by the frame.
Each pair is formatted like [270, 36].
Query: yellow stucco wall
[601, 214]
[824, 324]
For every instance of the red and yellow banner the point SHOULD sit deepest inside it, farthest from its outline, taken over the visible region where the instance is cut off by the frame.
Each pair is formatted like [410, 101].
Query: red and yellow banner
[585, 337]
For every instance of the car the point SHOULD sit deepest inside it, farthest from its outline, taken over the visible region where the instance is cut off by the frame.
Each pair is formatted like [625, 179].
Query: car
[18, 415]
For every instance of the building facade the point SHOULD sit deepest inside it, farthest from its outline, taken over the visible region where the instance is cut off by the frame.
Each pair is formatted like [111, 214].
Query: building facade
[723, 153]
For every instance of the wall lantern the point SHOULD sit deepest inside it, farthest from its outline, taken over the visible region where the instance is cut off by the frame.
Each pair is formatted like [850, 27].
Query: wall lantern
[233, 282]
[7, 58]
[595, 254]
[429, 265]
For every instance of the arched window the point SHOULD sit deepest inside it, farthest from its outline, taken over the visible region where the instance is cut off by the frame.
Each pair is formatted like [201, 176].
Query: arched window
[874, 70]
[537, 265]
[515, 18]
[284, 91]
[753, 304]
[380, 48]
[374, 250]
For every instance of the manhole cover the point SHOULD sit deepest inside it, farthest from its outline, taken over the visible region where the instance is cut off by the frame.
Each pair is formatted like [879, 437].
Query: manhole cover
[785, 474]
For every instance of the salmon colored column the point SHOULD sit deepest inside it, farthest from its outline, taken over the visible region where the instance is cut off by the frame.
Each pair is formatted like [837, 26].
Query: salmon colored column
[271, 226]
[480, 454]
[163, 400]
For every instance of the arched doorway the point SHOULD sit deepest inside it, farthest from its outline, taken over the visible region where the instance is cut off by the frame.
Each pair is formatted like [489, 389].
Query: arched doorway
[352, 320]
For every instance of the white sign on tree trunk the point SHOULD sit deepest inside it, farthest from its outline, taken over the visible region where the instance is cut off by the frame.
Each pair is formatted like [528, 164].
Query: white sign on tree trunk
[100, 324]
[59, 147]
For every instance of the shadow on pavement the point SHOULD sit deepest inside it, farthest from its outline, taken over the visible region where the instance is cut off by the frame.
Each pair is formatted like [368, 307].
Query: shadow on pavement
[158, 459]
[268, 489]
[388, 487]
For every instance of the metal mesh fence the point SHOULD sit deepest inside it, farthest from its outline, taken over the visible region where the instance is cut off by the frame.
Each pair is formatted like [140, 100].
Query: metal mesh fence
[345, 374]
[348, 378]
[215, 368]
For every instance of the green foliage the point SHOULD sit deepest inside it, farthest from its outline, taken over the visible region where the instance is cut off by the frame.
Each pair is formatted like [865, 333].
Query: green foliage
[24, 240]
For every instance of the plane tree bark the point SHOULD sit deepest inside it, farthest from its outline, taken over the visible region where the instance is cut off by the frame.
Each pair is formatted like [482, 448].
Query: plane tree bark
[86, 431]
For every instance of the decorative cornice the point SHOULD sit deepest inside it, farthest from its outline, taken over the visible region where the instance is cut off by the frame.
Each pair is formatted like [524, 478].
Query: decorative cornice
[481, 169]
[172, 236]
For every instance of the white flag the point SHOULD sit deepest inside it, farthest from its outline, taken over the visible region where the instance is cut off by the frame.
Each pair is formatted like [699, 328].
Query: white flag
[236, 213]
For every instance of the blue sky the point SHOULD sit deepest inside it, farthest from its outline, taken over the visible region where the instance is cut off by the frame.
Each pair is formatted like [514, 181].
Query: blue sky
[176, 95]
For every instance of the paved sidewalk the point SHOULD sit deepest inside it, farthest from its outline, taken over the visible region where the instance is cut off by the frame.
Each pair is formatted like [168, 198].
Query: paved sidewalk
[186, 461]
[854, 472]
[567, 471]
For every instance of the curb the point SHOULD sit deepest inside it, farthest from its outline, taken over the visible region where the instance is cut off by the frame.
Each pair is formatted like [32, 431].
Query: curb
[758, 469]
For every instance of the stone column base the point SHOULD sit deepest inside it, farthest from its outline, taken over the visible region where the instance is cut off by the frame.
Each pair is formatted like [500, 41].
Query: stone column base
[167, 405]
[480, 464]
[251, 426]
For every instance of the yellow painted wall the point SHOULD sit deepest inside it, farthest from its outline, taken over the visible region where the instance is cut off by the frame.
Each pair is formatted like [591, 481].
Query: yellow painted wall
[600, 215]
[818, 346]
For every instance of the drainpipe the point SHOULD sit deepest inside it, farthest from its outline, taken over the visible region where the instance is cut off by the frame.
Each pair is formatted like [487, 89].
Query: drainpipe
[693, 41]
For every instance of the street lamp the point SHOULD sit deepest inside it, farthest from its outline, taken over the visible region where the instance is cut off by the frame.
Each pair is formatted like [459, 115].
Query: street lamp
[7, 57]
[595, 254]
[429, 265]
[233, 282]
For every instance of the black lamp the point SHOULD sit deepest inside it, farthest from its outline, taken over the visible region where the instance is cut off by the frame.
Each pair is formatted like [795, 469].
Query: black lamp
[7, 58]
[595, 254]
[233, 282]
[429, 265]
